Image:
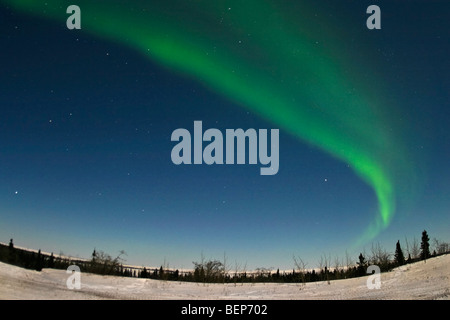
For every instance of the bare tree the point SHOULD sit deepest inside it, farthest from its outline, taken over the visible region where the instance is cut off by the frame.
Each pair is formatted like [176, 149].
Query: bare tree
[236, 271]
[199, 270]
[300, 265]
[380, 256]
[324, 265]
[407, 249]
[226, 267]
[348, 260]
[164, 270]
[244, 271]
[444, 247]
[103, 263]
[320, 263]
[415, 248]
[436, 244]
[262, 272]
[440, 247]
[209, 271]
[327, 261]
[337, 266]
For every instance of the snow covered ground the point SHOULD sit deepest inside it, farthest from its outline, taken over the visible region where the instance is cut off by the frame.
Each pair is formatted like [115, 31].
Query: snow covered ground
[430, 280]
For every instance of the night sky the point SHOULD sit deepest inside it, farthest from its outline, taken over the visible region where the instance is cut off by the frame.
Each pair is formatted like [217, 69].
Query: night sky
[86, 118]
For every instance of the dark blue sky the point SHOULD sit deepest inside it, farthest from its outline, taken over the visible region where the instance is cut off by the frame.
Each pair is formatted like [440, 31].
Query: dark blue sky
[85, 128]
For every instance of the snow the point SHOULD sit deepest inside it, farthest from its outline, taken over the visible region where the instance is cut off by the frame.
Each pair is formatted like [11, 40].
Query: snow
[421, 280]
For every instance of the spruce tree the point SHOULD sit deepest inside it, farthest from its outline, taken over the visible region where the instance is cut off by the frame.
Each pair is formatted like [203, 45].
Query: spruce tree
[361, 264]
[425, 246]
[399, 257]
[11, 252]
[51, 261]
[38, 265]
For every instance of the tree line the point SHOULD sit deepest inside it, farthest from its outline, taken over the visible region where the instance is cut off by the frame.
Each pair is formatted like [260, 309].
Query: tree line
[220, 271]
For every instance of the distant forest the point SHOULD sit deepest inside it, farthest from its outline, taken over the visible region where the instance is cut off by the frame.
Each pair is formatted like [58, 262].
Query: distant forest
[220, 271]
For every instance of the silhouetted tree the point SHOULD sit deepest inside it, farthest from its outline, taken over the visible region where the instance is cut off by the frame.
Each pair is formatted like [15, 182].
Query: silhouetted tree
[11, 252]
[208, 271]
[39, 261]
[399, 258]
[51, 261]
[440, 246]
[361, 265]
[103, 263]
[425, 246]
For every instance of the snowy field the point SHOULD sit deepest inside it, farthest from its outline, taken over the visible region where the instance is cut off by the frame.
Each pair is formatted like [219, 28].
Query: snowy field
[430, 280]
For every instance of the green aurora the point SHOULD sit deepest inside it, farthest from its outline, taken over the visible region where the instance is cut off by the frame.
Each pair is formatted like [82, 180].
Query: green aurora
[260, 56]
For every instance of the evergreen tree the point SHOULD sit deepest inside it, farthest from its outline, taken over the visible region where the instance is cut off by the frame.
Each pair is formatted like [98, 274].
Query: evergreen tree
[39, 261]
[197, 275]
[399, 257]
[361, 264]
[51, 261]
[313, 275]
[11, 252]
[425, 246]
